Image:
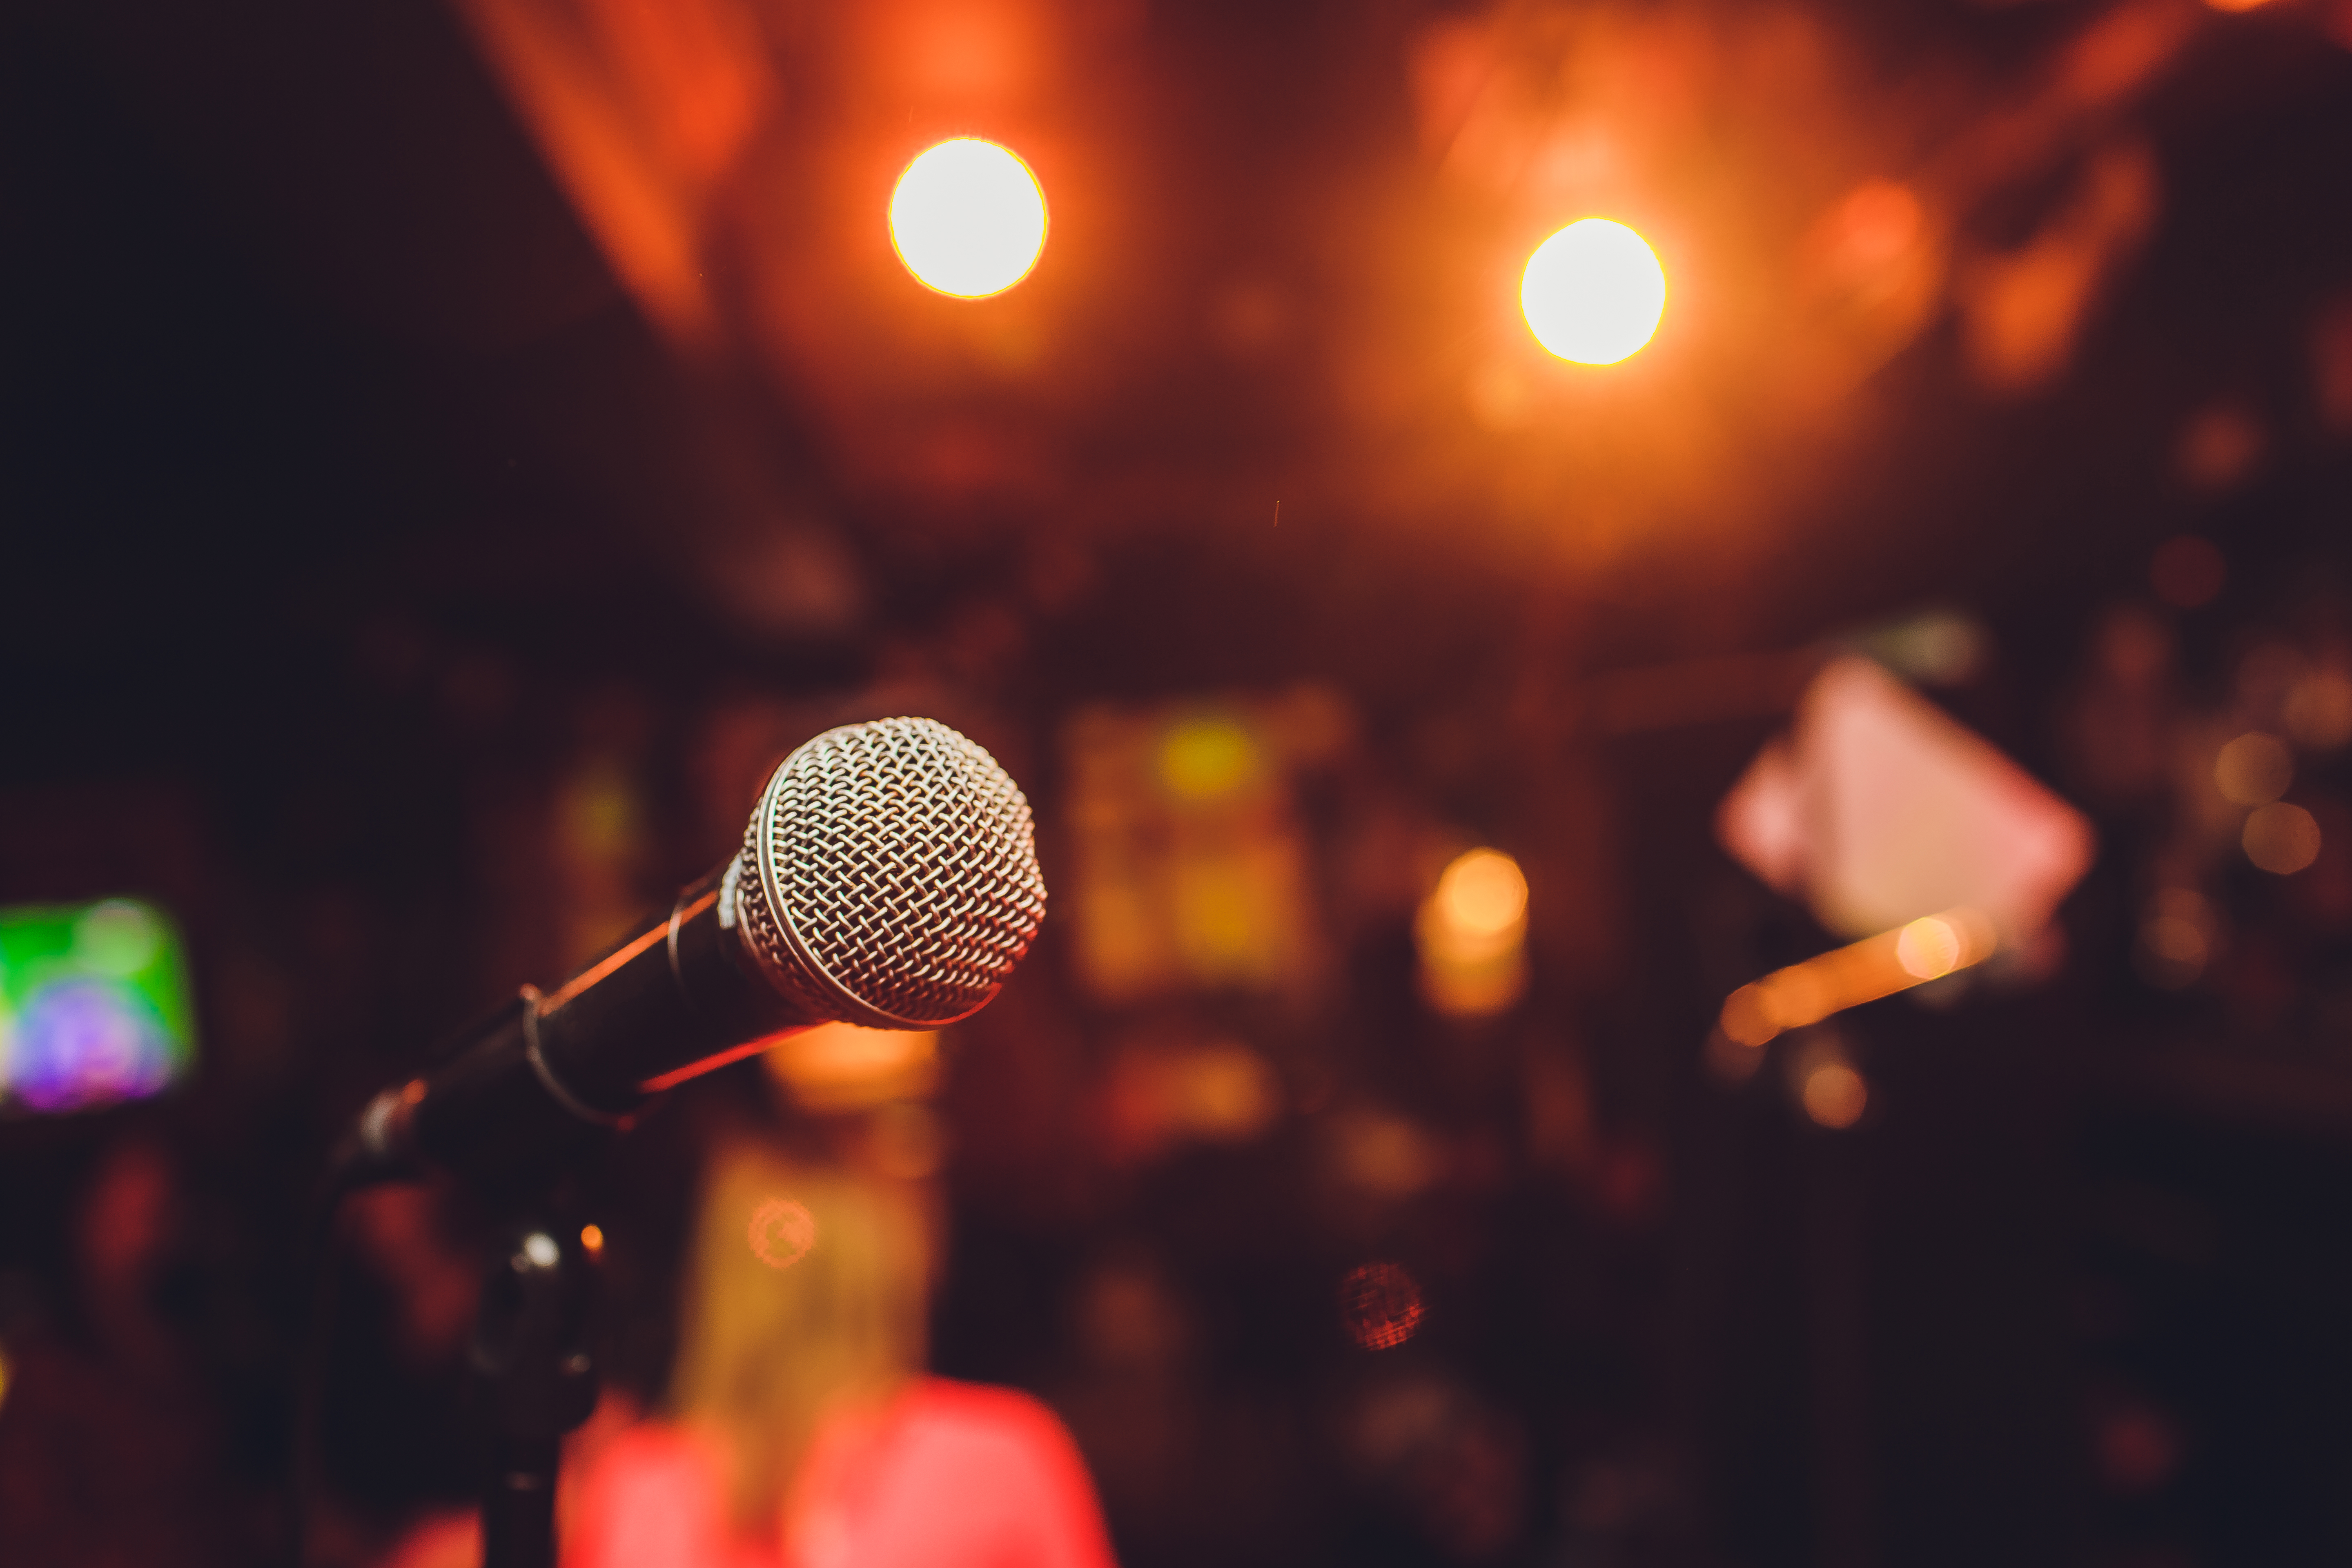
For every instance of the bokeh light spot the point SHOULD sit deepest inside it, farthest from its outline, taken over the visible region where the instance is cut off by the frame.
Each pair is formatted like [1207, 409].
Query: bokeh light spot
[2253, 770]
[1836, 1095]
[1379, 1304]
[118, 937]
[1593, 292]
[783, 1231]
[1482, 895]
[2319, 709]
[968, 218]
[592, 1239]
[1927, 949]
[1206, 759]
[1472, 932]
[2282, 838]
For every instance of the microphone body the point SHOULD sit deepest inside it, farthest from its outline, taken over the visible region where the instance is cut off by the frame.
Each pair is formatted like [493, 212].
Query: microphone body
[887, 878]
[546, 1075]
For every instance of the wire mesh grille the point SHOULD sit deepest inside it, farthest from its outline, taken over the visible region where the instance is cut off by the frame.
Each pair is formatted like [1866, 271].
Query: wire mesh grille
[896, 862]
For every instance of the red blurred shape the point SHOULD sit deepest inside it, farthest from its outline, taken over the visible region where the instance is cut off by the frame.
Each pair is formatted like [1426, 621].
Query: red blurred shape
[1879, 809]
[1379, 1304]
[944, 1473]
[783, 1231]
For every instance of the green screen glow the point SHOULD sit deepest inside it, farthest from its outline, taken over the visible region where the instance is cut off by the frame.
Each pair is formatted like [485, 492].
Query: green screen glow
[93, 1005]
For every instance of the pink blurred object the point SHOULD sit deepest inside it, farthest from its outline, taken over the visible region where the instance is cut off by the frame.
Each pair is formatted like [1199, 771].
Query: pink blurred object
[1877, 808]
[946, 1473]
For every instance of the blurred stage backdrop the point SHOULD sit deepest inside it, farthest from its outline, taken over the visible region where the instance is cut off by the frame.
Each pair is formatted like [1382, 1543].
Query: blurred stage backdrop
[1741, 956]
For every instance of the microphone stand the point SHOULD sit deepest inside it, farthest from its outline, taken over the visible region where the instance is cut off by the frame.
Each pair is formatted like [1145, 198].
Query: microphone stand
[531, 1358]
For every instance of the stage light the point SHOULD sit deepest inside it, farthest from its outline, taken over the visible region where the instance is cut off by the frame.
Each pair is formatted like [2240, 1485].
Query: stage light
[1593, 292]
[968, 218]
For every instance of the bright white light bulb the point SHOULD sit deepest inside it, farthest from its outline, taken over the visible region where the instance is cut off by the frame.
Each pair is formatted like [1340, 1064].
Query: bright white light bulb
[1593, 292]
[968, 218]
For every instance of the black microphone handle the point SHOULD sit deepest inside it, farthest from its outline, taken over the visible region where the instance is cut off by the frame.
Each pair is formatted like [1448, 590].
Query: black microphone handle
[546, 1075]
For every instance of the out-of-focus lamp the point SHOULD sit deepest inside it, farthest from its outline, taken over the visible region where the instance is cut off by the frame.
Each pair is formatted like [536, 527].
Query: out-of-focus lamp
[968, 218]
[1593, 292]
[1472, 931]
[837, 1068]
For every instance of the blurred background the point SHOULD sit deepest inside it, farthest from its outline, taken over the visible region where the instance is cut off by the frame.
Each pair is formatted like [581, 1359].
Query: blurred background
[452, 450]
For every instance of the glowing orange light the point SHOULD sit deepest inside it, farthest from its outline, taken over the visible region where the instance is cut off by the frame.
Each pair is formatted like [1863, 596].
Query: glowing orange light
[2282, 838]
[1836, 1095]
[1472, 931]
[1482, 898]
[1803, 993]
[2319, 709]
[1379, 1304]
[2236, 4]
[592, 1237]
[844, 1067]
[2253, 770]
[783, 1231]
[1593, 292]
[968, 218]
[1928, 948]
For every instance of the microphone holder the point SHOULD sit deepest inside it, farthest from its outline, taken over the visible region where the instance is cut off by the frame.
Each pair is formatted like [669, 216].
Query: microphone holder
[536, 1375]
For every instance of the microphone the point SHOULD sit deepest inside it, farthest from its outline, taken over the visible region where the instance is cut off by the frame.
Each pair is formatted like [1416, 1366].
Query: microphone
[888, 879]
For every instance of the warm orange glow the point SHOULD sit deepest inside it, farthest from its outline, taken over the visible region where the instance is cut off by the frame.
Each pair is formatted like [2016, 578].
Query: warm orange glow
[2319, 709]
[2253, 770]
[1218, 1091]
[783, 1231]
[1593, 292]
[1861, 972]
[842, 1066]
[1929, 948]
[2282, 838]
[1472, 931]
[1482, 898]
[1836, 1095]
[1379, 1304]
[592, 1237]
[968, 218]
[1207, 758]
[2236, 4]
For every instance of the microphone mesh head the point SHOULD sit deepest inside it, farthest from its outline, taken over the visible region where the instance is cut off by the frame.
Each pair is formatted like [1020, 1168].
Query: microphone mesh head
[889, 876]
